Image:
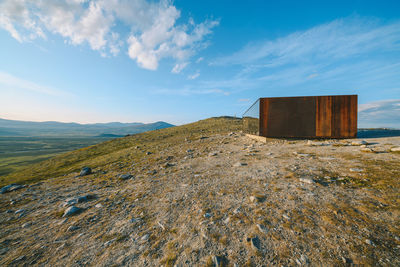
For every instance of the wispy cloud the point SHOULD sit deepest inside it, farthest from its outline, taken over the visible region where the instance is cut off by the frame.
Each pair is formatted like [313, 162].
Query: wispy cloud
[154, 29]
[191, 92]
[338, 39]
[179, 67]
[8, 81]
[194, 76]
[385, 113]
[349, 55]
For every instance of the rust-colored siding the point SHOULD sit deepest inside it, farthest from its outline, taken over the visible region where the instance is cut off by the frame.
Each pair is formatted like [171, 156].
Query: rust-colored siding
[313, 116]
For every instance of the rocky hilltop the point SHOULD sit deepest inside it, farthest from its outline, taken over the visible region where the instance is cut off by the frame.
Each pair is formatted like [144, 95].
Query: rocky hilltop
[204, 194]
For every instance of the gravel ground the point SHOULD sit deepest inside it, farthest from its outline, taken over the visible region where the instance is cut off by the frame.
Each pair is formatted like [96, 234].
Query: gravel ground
[219, 200]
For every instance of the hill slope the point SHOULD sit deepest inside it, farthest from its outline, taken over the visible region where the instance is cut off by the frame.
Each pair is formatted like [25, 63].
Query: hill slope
[121, 148]
[203, 195]
[60, 129]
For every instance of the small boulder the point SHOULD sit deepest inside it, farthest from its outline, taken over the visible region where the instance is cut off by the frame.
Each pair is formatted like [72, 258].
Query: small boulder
[306, 180]
[218, 261]
[356, 170]
[10, 188]
[239, 164]
[168, 164]
[125, 176]
[74, 200]
[85, 171]
[395, 149]
[207, 215]
[72, 228]
[71, 211]
[26, 225]
[262, 228]
[255, 243]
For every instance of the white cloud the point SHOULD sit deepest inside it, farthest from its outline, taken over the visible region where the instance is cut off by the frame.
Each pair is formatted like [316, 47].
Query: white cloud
[12, 82]
[194, 76]
[385, 113]
[179, 67]
[153, 30]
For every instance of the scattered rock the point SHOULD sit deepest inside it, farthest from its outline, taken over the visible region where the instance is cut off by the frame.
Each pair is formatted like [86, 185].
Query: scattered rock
[26, 225]
[72, 228]
[218, 261]
[207, 215]
[125, 176]
[369, 242]
[255, 243]
[148, 153]
[346, 260]
[303, 260]
[19, 211]
[356, 170]
[189, 151]
[72, 211]
[238, 164]
[85, 171]
[212, 154]
[167, 165]
[359, 143]
[161, 225]
[75, 200]
[306, 180]
[145, 237]
[203, 137]
[395, 149]
[169, 158]
[99, 205]
[262, 228]
[10, 188]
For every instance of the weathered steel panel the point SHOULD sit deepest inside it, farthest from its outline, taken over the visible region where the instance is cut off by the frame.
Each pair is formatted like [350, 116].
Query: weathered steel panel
[289, 117]
[323, 121]
[314, 116]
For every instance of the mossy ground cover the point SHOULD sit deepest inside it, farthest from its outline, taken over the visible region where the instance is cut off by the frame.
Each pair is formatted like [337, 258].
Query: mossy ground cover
[122, 150]
[17, 153]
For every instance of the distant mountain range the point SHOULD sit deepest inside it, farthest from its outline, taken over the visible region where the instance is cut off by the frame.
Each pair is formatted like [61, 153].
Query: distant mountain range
[54, 128]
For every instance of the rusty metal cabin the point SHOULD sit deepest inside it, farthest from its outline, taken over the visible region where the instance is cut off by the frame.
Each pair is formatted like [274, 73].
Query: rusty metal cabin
[303, 117]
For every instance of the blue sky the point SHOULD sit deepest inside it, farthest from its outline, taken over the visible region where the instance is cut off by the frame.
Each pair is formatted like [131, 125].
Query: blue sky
[181, 61]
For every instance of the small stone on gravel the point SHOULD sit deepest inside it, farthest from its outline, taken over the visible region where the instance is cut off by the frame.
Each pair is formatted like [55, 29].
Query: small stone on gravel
[71, 211]
[356, 170]
[72, 228]
[369, 242]
[255, 243]
[125, 176]
[85, 171]
[262, 228]
[238, 164]
[10, 188]
[306, 180]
